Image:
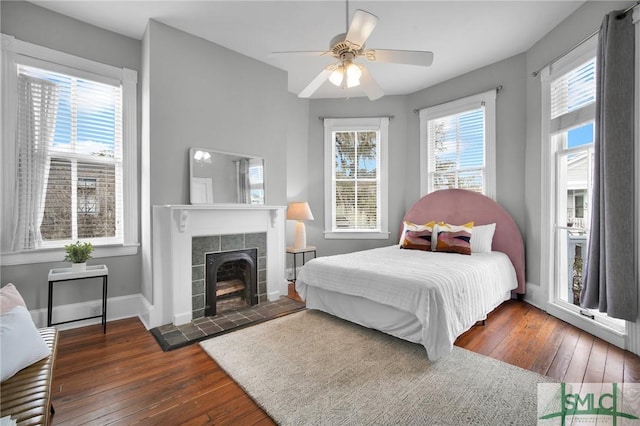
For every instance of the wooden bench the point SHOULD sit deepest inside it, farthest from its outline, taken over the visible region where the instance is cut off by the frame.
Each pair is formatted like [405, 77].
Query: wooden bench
[27, 396]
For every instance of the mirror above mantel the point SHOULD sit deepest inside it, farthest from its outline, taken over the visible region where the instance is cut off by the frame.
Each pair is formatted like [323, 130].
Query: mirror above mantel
[218, 177]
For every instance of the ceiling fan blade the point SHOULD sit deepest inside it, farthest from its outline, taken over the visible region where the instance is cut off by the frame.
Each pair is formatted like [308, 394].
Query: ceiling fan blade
[408, 57]
[370, 87]
[316, 83]
[362, 25]
[299, 53]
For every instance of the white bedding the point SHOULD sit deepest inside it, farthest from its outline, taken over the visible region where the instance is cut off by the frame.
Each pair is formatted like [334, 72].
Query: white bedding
[446, 292]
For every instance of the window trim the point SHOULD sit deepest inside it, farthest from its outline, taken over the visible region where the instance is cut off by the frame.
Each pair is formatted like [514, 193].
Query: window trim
[13, 48]
[380, 124]
[548, 205]
[488, 99]
[599, 326]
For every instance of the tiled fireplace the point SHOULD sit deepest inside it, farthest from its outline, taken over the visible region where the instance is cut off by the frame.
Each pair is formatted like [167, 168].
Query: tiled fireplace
[184, 234]
[231, 281]
[228, 259]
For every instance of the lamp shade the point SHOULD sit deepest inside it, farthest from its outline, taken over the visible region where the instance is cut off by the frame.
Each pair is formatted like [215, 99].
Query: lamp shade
[299, 211]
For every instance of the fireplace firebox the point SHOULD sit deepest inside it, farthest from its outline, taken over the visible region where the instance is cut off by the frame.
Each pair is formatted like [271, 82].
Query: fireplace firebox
[230, 280]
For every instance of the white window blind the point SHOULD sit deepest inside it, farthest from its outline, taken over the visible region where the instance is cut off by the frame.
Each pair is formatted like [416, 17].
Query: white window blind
[458, 144]
[456, 151]
[572, 97]
[356, 185]
[76, 140]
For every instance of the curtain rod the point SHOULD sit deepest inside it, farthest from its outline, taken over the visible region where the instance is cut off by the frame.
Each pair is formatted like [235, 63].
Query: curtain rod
[390, 117]
[498, 89]
[583, 41]
[627, 10]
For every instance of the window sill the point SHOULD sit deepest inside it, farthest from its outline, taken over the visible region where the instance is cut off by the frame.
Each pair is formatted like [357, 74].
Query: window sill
[57, 254]
[597, 327]
[354, 235]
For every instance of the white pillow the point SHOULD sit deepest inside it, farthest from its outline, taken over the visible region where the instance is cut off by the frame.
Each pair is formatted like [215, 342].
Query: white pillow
[482, 238]
[10, 298]
[20, 342]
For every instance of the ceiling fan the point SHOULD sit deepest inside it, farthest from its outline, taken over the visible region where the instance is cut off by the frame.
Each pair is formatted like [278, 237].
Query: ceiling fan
[349, 46]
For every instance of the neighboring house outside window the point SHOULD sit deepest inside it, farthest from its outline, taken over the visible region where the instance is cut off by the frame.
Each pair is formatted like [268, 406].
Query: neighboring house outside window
[457, 145]
[74, 139]
[356, 178]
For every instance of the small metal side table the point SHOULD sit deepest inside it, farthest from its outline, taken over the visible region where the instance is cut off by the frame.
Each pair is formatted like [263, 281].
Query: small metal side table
[295, 252]
[66, 274]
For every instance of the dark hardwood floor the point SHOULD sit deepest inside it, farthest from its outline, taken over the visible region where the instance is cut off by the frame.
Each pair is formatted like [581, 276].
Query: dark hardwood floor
[123, 377]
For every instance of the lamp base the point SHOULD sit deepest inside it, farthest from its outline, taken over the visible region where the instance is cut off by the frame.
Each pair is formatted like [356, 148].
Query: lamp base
[301, 236]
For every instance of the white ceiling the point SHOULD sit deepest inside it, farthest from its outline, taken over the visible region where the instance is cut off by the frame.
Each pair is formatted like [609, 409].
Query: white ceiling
[464, 35]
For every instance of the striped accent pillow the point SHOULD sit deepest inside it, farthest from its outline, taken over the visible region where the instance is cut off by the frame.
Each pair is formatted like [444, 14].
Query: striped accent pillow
[417, 237]
[454, 238]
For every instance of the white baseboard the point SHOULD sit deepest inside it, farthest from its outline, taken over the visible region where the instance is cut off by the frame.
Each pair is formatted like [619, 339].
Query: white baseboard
[535, 295]
[146, 312]
[117, 308]
[274, 295]
[183, 318]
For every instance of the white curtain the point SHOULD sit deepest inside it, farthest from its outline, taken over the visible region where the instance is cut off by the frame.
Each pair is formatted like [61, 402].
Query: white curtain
[37, 109]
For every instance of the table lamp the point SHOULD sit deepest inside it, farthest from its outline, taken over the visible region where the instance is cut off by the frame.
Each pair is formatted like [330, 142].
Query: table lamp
[299, 211]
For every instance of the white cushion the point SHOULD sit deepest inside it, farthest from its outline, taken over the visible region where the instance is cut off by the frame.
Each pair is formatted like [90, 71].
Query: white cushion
[10, 298]
[20, 342]
[482, 238]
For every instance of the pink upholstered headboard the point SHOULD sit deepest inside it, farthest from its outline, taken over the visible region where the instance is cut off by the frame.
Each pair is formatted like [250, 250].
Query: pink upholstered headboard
[458, 206]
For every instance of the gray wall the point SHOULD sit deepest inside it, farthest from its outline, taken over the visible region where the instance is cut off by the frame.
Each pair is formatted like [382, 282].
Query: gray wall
[204, 95]
[37, 25]
[201, 94]
[510, 127]
[196, 93]
[297, 157]
[34, 24]
[582, 23]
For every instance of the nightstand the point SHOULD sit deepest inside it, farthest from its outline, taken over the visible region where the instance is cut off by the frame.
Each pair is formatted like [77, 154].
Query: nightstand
[65, 274]
[295, 252]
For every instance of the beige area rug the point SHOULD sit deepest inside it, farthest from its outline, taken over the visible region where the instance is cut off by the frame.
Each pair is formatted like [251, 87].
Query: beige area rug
[313, 368]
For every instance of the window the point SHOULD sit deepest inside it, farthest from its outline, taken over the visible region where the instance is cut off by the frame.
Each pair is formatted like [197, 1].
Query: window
[74, 140]
[83, 159]
[457, 145]
[256, 181]
[569, 96]
[356, 178]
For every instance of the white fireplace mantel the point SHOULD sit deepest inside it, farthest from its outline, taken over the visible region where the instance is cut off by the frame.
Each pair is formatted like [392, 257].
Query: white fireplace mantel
[173, 228]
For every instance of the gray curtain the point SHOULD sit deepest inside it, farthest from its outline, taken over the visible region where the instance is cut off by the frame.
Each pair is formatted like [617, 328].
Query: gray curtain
[610, 281]
[244, 193]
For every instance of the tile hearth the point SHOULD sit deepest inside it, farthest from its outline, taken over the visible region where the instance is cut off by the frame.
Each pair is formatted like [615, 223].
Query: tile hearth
[171, 337]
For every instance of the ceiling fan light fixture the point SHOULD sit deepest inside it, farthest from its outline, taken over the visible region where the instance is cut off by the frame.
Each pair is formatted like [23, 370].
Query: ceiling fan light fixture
[354, 73]
[337, 76]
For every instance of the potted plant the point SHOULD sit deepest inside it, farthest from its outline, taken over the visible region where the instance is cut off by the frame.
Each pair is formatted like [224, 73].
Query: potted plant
[78, 253]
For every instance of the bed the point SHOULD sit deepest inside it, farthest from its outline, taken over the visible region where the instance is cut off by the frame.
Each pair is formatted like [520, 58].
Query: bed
[423, 296]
